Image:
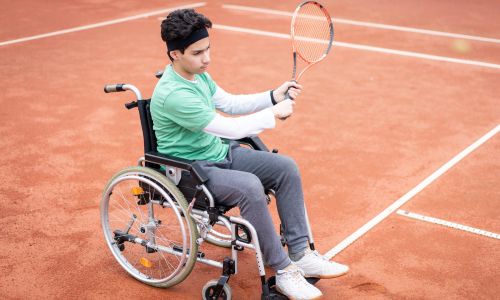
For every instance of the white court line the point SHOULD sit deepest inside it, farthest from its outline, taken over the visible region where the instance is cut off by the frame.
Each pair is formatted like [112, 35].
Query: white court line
[406, 197]
[448, 224]
[365, 47]
[369, 24]
[100, 24]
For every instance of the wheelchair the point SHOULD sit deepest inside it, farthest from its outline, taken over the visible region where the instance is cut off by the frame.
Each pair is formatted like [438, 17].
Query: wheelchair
[155, 217]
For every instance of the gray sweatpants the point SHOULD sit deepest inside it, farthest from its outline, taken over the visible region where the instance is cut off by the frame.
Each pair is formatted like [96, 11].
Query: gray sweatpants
[241, 179]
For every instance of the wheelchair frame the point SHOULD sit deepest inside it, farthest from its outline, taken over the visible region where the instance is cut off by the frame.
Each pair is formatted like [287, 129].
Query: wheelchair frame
[202, 209]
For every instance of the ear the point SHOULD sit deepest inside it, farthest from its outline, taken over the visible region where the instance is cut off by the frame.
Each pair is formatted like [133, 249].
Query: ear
[175, 54]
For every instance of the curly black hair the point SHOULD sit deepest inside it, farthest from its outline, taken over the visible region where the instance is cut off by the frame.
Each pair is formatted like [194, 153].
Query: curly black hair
[180, 23]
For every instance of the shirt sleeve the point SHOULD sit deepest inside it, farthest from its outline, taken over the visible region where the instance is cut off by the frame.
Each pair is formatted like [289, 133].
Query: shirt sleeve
[188, 110]
[240, 127]
[241, 104]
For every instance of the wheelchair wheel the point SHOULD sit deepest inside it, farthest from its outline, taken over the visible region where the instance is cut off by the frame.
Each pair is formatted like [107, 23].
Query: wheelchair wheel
[208, 290]
[220, 236]
[147, 228]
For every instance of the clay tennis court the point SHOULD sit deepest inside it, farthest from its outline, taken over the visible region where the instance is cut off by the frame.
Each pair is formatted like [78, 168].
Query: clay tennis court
[399, 120]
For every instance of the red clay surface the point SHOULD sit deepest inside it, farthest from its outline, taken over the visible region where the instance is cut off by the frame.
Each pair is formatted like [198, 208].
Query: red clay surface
[368, 128]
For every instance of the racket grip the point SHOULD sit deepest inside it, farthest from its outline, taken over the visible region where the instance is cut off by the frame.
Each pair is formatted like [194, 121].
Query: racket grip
[287, 95]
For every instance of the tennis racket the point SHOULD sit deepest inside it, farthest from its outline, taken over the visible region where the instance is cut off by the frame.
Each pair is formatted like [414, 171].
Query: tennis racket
[312, 36]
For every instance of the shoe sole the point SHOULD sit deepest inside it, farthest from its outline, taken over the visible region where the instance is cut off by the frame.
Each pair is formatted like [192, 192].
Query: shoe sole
[296, 298]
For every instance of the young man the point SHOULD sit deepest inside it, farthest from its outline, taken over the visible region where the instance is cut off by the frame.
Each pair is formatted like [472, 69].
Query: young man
[186, 124]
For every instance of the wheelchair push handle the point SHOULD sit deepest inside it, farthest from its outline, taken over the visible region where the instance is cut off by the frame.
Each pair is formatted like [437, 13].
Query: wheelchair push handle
[121, 87]
[112, 88]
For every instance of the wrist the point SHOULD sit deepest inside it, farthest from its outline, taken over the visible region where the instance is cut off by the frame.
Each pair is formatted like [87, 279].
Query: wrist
[273, 100]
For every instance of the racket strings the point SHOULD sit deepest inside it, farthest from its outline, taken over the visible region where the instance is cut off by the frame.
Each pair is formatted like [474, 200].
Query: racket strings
[312, 34]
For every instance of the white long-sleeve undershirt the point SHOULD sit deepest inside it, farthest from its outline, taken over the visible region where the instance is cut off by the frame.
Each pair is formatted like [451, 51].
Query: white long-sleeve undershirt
[259, 117]
[241, 104]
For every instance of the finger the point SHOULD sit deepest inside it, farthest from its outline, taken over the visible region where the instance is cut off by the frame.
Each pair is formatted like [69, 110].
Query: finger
[295, 85]
[289, 84]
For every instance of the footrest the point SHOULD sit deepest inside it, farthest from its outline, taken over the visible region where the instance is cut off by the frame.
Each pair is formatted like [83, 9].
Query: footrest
[312, 280]
[272, 293]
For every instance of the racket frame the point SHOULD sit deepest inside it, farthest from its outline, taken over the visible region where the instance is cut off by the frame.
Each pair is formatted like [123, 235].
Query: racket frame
[294, 50]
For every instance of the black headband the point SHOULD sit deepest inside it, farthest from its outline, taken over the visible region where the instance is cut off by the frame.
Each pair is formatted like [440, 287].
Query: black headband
[195, 36]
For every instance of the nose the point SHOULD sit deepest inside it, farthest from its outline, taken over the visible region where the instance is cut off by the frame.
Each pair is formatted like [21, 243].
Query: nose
[206, 58]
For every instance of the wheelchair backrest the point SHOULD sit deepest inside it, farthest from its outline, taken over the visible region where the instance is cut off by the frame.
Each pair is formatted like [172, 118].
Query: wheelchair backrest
[150, 143]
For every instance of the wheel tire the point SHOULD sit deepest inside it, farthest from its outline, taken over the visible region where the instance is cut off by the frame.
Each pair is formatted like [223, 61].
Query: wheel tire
[209, 288]
[155, 211]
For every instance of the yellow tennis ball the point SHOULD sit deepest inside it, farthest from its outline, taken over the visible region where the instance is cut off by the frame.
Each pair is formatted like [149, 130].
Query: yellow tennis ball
[461, 46]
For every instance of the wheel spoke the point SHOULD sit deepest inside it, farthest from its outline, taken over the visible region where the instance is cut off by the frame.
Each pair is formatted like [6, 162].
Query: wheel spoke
[161, 228]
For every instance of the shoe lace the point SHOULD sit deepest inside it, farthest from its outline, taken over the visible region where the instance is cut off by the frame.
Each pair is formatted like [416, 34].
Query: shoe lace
[296, 276]
[316, 253]
[320, 259]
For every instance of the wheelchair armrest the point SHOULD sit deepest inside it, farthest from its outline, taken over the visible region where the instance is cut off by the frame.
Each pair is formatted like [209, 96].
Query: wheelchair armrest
[255, 142]
[189, 165]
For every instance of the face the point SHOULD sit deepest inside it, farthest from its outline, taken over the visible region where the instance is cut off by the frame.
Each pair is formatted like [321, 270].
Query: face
[195, 59]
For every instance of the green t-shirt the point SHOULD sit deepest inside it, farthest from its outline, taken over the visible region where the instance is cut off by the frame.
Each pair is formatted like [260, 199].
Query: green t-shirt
[180, 110]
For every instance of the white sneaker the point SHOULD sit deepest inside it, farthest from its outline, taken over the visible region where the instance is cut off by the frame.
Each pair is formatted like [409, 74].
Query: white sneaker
[316, 265]
[291, 283]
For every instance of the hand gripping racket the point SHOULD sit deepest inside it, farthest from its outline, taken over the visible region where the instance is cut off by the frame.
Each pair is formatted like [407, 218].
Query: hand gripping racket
[312, 36]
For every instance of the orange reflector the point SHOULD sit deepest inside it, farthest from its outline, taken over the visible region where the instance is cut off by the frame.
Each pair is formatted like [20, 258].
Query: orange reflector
[137, 190]
[146, 262]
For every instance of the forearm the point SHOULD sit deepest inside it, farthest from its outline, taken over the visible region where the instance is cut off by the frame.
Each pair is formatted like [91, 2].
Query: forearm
[241, 104]
[240, 127]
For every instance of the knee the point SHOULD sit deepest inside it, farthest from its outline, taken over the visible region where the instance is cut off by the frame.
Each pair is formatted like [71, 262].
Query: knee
[252, 186]
[289, 166]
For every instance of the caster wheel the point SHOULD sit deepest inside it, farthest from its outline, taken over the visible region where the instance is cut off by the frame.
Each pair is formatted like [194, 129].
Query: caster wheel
[209, 290]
